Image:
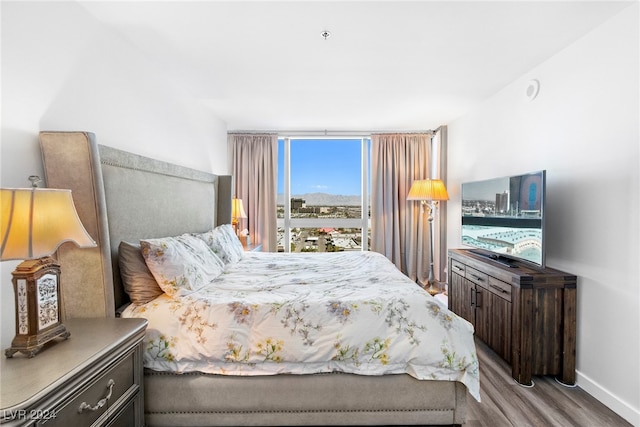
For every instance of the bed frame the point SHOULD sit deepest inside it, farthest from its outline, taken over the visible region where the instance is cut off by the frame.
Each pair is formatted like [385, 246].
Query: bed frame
[123, 196]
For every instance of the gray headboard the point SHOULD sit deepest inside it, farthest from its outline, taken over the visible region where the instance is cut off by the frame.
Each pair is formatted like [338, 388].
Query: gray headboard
[121, 196]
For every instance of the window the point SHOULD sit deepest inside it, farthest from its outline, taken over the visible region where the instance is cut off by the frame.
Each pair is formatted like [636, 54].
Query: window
[323, 194]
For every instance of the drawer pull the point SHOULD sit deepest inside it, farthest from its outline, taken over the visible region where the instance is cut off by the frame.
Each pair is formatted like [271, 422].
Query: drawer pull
[478, 278]
[498, 288]
[101, 402]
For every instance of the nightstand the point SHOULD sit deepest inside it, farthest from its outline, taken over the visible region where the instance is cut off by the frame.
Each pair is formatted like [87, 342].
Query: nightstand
[94, 378]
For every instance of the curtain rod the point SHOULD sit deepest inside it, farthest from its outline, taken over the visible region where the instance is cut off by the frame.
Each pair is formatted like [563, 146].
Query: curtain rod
[331, 132]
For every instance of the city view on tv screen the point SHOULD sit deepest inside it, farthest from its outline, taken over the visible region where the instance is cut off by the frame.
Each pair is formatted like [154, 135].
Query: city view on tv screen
[504, 217]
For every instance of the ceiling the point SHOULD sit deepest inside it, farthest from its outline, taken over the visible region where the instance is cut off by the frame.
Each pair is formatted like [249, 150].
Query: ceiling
[387, 65]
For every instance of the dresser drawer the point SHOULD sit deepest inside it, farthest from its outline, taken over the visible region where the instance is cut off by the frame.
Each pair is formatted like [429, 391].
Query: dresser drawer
[500, 288]
[477, 277]
[101, 393]
[127, 415]
[457, 267]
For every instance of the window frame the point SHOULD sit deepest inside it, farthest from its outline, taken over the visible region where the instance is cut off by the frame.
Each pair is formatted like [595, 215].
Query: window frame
[363, 223]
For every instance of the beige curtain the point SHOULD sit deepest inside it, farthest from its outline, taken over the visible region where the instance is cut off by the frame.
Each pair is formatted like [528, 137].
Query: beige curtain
[399, 228]
[439, 147]
[254, 163]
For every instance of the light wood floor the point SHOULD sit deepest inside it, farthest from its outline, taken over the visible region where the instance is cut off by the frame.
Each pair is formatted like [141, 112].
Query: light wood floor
[506, 403]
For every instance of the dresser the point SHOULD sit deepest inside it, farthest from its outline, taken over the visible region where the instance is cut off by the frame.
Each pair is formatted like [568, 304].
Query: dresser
[94, 378]
[527, 315]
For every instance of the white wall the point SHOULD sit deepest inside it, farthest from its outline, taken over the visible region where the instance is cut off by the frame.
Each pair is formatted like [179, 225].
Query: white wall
[63, 70]
[583, 129]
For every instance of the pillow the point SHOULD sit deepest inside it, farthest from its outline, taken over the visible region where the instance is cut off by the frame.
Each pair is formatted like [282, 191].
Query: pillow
[138, 281]
[180, 264]
[223, 241]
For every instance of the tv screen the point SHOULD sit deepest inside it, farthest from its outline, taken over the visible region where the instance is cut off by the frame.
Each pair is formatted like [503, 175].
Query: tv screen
[503, 218]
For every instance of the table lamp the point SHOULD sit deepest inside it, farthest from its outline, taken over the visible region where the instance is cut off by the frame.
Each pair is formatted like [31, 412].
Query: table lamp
[429, 192]
[237, 211]
[34, 223]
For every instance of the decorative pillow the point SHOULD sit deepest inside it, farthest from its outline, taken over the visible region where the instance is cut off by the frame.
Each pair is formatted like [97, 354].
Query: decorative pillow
[138, 281]
[180, 264]
[223, 241]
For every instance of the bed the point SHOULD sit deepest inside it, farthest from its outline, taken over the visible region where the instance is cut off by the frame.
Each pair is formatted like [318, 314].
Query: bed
[126, 199]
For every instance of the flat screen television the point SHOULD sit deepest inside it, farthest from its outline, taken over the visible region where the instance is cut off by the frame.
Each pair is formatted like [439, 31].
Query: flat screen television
[503, 218]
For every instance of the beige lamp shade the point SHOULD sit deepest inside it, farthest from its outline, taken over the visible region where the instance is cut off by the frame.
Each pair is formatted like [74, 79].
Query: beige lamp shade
[36, 221]
[237, 209]
[428, 189]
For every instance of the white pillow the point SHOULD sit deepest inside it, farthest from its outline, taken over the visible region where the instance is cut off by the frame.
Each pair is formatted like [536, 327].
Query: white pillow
[180, 264]
[223, 241]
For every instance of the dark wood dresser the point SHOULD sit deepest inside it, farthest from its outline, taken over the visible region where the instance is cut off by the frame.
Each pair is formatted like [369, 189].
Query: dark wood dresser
[527, 315]
[94, 378]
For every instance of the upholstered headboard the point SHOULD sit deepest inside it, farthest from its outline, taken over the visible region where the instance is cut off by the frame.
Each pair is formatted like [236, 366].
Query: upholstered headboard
[121, 196]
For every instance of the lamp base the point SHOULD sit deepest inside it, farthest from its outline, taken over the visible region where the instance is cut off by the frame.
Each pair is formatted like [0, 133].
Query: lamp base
[30, 345]
[432, 286]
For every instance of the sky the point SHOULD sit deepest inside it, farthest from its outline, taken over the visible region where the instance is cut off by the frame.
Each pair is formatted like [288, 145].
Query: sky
[484, 190]
[330, 166]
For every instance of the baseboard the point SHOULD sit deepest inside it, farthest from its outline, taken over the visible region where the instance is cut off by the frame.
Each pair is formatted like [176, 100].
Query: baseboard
[613, 402]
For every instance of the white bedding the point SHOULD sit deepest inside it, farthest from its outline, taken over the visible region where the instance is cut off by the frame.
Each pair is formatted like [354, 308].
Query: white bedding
[303, 313]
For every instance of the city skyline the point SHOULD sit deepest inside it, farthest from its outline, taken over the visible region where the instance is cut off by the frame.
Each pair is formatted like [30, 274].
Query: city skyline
[323, 199]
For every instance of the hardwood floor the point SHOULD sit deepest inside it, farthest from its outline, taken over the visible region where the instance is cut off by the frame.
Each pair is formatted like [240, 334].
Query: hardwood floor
[506, 403]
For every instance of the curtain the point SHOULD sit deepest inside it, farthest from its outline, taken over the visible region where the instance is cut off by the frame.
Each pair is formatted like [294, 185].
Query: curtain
[254, 163]
[439, 147]
[399, 228]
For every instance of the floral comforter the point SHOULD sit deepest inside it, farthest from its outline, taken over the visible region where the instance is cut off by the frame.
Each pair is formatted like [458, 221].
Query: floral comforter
[303, 313]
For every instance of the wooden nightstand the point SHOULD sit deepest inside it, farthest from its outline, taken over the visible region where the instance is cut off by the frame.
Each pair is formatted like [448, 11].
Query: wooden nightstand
[94, 378]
